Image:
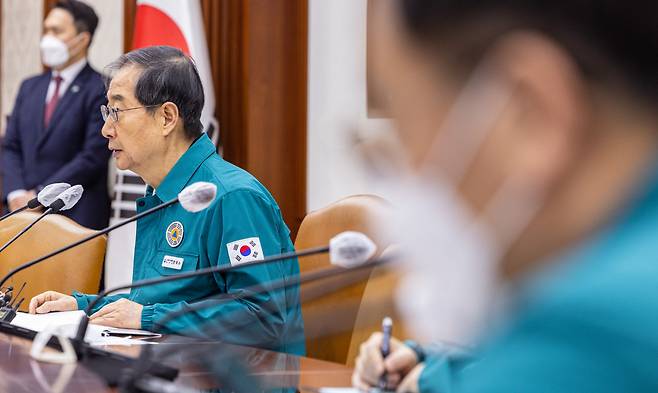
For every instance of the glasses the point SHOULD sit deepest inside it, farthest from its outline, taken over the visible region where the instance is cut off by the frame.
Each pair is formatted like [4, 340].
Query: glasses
[113, 113]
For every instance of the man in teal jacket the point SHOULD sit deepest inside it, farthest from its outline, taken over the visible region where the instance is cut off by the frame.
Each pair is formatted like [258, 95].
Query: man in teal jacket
[152, 125]
[527, 205]
[585, 323]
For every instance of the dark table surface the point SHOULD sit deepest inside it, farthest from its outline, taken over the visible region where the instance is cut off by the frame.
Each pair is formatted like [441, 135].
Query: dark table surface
[203, 364]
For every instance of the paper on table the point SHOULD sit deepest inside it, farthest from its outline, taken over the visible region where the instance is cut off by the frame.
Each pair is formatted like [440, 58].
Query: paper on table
[68, 321]
[39, 322]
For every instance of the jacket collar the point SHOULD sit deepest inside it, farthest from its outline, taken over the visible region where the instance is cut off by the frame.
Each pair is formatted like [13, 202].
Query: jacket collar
[186, 166]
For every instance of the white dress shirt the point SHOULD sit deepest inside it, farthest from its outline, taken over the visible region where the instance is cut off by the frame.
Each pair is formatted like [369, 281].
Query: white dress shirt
[68, 75]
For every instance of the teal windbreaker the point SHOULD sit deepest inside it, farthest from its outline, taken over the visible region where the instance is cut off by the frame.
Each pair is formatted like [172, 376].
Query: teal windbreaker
[587, 323]
[243, 224]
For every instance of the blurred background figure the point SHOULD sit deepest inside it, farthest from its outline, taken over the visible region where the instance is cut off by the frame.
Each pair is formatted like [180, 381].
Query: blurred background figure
[527, 193]
[53, 134]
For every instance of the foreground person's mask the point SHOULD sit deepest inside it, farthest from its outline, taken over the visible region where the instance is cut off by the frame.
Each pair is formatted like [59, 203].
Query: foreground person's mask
[449, 254]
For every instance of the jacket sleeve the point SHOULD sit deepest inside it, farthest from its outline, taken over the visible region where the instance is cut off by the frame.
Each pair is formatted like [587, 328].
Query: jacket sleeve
[92, 159]
[437, 375]
[550, 354]
[255, 318]
[84, 300]
[12, 154]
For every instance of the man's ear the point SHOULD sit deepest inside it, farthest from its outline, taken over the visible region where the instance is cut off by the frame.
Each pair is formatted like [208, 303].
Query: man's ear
[85, 40]
[169, 117]
[551, 106]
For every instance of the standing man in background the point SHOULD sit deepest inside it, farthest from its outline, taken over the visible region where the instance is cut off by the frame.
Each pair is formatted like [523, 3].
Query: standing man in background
[53, 134]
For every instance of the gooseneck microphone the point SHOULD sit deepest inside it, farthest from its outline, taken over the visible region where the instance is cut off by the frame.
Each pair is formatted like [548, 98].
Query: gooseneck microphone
[346, 250]
[137, 377]
[47, 196]
[63, 201]
[194, 198]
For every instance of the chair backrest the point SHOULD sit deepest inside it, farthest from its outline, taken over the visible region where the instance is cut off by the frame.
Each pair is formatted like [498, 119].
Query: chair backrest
[330, 307]
[377, 302]
[77, 269]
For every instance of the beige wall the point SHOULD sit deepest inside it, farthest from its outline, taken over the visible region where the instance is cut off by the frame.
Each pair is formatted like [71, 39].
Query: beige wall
[337, 101]
[21, 31]
[108, 40]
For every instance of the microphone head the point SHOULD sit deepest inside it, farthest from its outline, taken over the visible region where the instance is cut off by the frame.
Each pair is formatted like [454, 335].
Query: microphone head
[198, 196]
[349, 249]
[68, 198]
[50, 192]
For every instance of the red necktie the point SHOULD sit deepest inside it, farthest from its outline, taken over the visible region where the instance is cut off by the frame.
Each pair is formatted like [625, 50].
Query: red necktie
[52, 104]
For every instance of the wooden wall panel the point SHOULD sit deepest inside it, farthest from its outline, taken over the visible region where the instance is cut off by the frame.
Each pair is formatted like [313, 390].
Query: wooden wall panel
[276, 66]
[129, 7]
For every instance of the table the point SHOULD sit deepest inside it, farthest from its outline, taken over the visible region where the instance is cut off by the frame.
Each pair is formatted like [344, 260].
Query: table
[20, 373]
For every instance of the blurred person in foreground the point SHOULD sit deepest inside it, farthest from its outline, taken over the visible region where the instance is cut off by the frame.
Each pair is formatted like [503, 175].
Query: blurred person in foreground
[54, 131]
[528, 194]
[153, 127]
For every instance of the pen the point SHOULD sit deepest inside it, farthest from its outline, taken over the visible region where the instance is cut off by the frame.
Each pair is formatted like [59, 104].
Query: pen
[387, 330]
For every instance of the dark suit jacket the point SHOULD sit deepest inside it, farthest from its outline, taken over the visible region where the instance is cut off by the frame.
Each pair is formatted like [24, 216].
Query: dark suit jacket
[70, 150]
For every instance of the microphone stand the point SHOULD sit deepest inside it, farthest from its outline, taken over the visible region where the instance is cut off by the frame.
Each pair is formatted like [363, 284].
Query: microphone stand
[106, 364]
[14, 212]
[19, 234]
[131, 382]
[84, 240]
[84, 322]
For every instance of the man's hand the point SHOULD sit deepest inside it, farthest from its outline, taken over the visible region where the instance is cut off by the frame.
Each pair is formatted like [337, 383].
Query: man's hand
[121, 314]
[52, 301]
[370, 365]
[21, 200]
[410, 383]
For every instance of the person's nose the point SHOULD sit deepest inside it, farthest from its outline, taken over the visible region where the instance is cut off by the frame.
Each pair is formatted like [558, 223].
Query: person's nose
[108, 129]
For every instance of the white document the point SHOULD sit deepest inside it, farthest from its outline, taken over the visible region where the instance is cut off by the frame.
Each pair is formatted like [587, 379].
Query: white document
[67, 323]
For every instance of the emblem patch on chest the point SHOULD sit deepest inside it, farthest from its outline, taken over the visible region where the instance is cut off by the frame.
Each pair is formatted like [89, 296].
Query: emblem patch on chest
[174, 234]
[245, 250]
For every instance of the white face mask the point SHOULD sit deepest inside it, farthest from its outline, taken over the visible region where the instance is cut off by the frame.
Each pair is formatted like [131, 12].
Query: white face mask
[54, 52]
[450, 255]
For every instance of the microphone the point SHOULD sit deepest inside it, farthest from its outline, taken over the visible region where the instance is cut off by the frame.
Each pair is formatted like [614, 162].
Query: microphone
[47, 196]
[63, 201]
[196, 197]
[7, 297]
[67, 199]
[137, 375]
[202, 195]
[351, 248]
[346, 250]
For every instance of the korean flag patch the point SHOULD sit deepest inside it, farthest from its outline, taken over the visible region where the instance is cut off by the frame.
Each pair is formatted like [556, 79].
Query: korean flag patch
[245, 250]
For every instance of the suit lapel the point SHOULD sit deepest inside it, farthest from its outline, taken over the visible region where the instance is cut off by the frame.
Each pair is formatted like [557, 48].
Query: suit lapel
[60, 111]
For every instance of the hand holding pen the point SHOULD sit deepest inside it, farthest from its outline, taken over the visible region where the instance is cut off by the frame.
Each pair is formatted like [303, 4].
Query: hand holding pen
[383, 354]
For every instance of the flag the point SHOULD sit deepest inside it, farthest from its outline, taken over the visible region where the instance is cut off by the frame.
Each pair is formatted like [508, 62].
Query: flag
[179, 24]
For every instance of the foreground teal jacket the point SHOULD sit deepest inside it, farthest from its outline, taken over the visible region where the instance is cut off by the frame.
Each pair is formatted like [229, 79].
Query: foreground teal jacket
[587, 323]
[243, 224]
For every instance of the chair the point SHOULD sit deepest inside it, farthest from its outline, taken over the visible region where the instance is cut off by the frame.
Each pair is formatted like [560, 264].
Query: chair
[77, 269]
[377, 302]
[330, 307]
